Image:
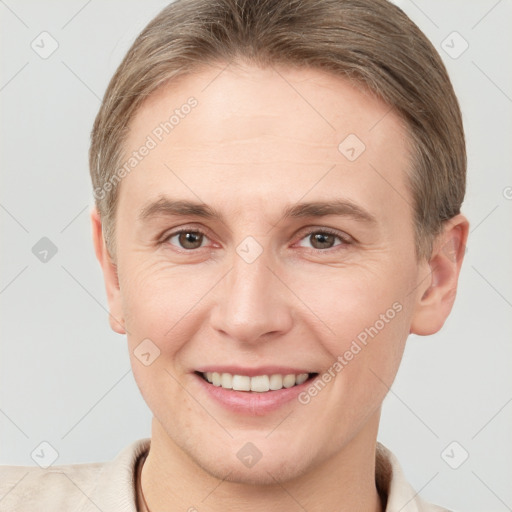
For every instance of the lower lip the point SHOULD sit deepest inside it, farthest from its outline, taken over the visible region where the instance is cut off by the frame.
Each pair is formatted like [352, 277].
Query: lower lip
[251, 402]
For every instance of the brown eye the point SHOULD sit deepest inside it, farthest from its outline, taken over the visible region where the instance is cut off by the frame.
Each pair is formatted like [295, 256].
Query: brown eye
[321, 239]
[188, 239]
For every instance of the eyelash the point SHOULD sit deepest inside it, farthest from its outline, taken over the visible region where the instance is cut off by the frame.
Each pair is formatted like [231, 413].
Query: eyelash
[345, 239]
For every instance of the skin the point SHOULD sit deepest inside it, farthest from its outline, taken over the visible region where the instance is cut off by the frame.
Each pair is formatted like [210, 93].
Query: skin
[258, 141]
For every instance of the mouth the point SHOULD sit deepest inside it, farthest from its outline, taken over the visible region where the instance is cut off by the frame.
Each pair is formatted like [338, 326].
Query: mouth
[254, 391]
[265, 383]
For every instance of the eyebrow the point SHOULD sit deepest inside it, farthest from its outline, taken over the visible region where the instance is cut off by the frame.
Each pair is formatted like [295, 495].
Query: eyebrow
[167, 207]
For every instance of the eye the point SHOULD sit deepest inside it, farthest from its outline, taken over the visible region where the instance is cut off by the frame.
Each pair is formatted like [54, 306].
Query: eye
[320, 239]
[324, 239]
[187, 238]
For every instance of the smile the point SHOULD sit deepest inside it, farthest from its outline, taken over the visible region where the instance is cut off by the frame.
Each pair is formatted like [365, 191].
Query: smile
[258, 383]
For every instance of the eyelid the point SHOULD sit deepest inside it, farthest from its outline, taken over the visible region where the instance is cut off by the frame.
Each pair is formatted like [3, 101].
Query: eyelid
[187, 229]
[345, 238]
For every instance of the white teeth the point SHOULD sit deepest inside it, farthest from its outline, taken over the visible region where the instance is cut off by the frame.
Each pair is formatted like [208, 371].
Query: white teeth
[241, 383]
[289, 381]
[226, 381]
[276, 382]
[303, 377]
[259, 383]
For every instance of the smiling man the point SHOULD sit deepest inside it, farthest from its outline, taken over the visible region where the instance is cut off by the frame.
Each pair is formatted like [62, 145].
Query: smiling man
[278, 189]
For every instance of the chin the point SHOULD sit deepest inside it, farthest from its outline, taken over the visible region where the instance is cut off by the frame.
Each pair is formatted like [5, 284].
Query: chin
[263, 473]
[274, 467]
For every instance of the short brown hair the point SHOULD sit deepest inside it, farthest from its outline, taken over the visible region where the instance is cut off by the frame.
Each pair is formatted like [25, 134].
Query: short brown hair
[371, 42]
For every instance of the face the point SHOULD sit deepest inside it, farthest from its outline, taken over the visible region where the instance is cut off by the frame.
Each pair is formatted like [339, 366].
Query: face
[267, 233]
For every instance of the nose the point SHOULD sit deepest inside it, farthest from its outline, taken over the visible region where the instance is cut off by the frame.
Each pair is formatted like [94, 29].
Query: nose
[252, 303]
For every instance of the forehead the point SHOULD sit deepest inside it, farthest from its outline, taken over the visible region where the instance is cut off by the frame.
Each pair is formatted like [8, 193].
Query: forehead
[278, 131]
[238, 100]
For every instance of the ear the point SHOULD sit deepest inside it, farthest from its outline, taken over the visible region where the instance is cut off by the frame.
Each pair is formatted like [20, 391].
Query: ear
[436, 297]
[110, 276]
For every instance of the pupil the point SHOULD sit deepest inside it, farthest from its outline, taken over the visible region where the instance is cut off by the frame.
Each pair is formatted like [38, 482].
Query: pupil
[189, 240]
[324, 239]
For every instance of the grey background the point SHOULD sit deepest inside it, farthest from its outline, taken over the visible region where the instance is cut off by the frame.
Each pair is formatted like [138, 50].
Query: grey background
[66, 378]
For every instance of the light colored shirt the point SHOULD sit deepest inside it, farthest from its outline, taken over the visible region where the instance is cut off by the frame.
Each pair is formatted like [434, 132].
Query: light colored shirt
[112, 486]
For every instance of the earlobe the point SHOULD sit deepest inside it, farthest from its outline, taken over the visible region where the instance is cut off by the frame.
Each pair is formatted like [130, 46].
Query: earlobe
[435, 299]
[110, 275]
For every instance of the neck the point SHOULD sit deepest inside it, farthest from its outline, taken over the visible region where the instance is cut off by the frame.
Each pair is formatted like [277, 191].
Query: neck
[172, 481]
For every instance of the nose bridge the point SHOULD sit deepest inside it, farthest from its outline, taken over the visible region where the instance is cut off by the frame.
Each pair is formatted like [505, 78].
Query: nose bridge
[250, 281]
[250, 303]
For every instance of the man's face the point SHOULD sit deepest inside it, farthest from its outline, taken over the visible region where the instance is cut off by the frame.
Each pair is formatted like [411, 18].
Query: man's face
[258, 291]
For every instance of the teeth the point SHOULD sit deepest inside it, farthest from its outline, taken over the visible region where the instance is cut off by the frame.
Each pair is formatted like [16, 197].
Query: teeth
[241, 383]
[276, 382]
[259, 384]
[300, 379]
[215, 380]
[226, 381]
[289, 381]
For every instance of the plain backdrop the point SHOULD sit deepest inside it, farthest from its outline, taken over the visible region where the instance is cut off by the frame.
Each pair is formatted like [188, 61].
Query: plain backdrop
[66, 377]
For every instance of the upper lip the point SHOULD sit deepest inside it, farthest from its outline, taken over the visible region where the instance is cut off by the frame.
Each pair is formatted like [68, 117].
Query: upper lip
[253, 372]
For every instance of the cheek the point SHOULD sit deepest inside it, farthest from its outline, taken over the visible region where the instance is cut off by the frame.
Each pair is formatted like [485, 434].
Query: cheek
[354, 303]
[158, 302]
[365, 323]
[365, 357]
[158, 296]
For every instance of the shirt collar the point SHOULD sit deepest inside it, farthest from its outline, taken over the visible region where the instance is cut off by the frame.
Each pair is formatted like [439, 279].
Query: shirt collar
[114, 489]
[391, 482]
